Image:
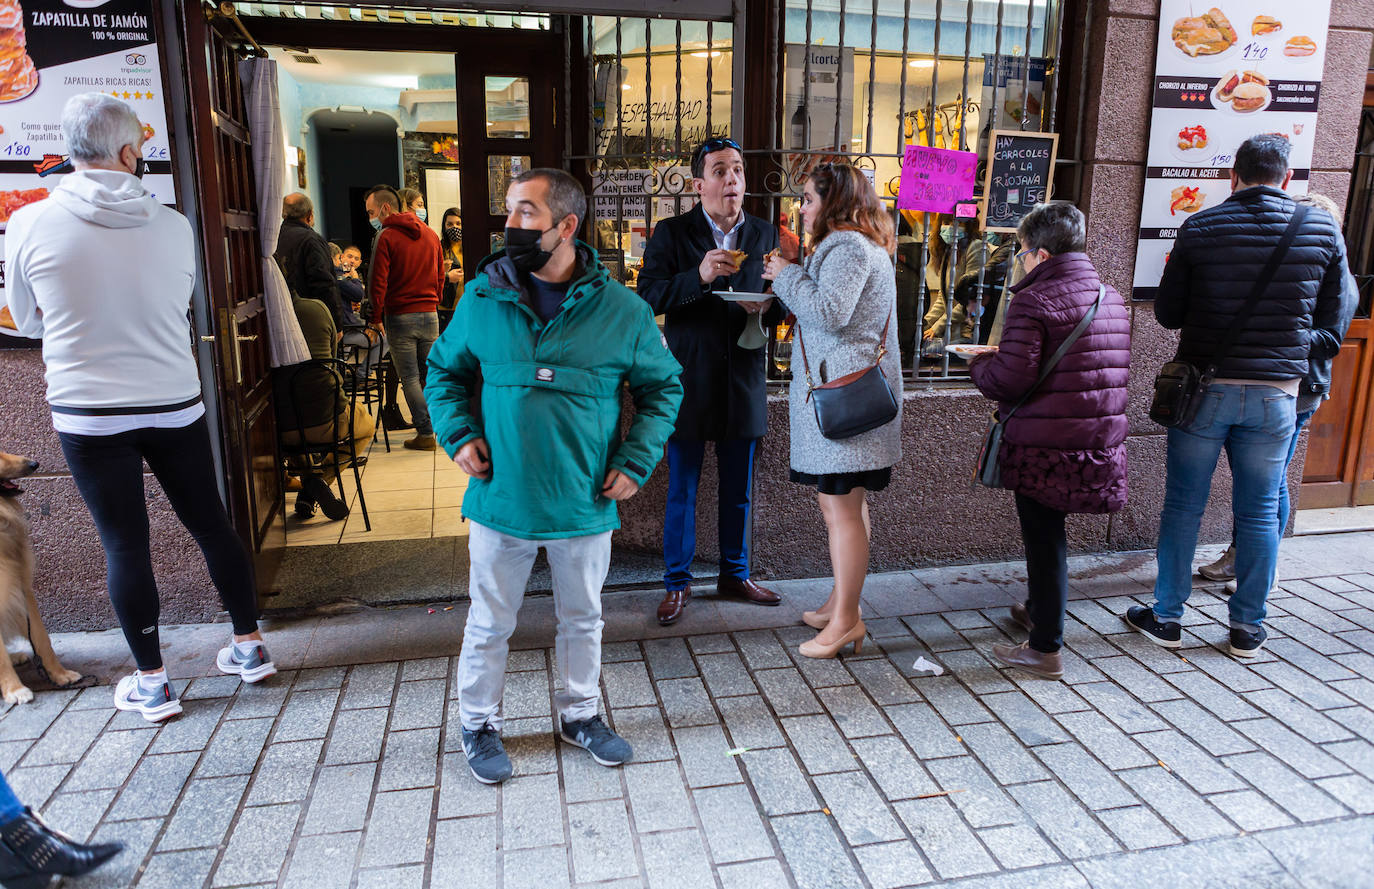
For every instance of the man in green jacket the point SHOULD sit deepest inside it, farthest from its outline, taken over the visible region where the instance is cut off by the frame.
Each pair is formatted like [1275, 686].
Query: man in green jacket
[552, 340]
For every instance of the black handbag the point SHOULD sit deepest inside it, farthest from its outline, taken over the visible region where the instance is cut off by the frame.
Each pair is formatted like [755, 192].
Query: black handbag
[855, 402]
[989, 469]
[1179, 386]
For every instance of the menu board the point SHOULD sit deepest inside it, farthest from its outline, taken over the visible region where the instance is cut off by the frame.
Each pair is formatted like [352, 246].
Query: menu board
[1020, 174]
[61, 48]
[1223, 74]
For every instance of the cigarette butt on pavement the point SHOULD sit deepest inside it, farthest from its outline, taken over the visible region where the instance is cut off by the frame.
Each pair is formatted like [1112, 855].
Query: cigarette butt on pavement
[941, 793]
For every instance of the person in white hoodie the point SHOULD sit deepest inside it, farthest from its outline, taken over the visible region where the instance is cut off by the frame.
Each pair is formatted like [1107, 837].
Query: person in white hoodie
[122, 381]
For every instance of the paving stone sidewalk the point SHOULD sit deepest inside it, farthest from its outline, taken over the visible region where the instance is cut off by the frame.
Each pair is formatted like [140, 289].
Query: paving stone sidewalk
[755, 768]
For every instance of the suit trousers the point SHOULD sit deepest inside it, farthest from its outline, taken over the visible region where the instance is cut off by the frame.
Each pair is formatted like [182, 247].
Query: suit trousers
[735, 471]
[500, 569]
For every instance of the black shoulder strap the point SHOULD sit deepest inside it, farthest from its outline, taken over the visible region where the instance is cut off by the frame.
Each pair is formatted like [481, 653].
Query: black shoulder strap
[1261, 284]
[1048, 366]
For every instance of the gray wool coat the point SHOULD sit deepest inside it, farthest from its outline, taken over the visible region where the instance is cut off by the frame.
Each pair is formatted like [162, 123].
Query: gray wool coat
[842, 294]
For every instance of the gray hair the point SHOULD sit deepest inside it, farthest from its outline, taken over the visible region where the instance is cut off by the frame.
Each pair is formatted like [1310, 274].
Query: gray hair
[335, 251]
[566, 197]
[1056, 227]
[297, 206]
[96, 128]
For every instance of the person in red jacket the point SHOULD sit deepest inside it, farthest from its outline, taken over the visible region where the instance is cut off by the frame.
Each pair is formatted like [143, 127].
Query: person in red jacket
[404, 281]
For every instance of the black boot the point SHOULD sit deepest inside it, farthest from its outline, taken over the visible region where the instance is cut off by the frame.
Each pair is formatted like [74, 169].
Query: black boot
[319, 492]
[31, 853]
[391, 416]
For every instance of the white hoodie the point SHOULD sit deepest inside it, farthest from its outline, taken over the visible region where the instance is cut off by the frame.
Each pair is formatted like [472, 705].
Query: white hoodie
[103, 274]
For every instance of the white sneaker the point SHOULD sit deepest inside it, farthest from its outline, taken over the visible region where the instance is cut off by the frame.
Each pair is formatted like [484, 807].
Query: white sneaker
[1231, 587]
[155, 707]
[256, 667]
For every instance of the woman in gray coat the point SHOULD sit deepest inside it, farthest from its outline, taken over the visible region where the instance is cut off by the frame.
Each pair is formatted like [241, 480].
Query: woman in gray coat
[845, 297]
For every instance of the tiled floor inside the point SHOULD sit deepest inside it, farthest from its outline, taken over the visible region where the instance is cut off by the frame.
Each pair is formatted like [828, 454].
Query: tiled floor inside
[411, 495]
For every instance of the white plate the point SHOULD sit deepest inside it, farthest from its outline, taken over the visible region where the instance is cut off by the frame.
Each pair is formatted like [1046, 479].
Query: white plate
[968, 350]
[1226, 106]
[1196, 157]
[742, 296]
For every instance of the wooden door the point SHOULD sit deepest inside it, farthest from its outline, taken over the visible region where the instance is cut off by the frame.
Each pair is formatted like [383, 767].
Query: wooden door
[232, 255]
[495, 139]
[1340, 447]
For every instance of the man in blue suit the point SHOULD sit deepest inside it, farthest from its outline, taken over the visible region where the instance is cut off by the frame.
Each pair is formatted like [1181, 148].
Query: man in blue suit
[725, 398]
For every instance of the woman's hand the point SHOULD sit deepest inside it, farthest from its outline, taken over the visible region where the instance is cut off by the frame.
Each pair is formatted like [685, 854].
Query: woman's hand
[455, 275]
[774, 267]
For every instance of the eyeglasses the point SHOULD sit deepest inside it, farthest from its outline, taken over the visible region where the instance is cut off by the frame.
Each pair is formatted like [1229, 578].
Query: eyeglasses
[1024, 253]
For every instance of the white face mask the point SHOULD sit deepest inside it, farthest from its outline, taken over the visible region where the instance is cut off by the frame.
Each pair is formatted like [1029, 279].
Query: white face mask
[423, 216]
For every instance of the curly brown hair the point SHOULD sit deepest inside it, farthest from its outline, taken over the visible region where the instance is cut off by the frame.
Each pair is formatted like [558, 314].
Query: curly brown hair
[850, 203]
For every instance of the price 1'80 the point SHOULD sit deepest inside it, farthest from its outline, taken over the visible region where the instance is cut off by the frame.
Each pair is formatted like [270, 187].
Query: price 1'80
[16, 149]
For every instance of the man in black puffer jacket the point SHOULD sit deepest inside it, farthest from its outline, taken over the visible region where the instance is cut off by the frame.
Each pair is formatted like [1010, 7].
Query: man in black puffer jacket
[1250, 408]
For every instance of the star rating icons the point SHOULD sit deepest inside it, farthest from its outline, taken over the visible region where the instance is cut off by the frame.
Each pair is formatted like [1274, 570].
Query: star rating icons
[128, 95]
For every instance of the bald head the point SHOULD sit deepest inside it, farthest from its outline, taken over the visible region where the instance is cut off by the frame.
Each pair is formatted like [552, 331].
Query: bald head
[297, 207]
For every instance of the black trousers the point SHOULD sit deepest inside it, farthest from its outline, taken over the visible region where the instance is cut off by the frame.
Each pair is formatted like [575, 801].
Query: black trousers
[1047, 570]
[108, 470]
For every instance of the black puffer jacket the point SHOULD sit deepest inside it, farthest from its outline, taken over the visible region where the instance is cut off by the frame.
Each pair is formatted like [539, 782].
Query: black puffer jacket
[1214, 264]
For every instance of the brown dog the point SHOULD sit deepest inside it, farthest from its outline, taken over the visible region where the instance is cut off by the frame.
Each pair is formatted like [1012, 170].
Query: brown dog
[19, 615]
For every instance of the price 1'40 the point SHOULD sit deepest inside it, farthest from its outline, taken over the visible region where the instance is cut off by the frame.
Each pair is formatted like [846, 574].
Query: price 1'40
[1254, 52]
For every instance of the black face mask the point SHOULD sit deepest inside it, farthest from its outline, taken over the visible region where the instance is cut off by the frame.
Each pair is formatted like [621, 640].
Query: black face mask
[140, 167]
[453, 233]
[523, 248]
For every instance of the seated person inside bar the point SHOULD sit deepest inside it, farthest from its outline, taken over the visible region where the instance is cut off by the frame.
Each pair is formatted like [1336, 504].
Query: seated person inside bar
[310, 398]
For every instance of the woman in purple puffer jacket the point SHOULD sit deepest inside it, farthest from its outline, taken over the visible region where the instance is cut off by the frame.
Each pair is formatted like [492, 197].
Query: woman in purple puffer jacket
[1064, 450]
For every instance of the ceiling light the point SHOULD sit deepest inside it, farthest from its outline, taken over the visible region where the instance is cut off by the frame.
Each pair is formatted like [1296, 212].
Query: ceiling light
[921, 63]
[625, 86]
[703, 54]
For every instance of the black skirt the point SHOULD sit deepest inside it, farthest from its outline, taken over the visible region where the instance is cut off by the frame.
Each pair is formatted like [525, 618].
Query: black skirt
[840, 483]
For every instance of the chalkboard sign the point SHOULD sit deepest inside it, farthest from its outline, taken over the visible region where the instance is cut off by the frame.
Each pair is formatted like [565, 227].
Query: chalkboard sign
[1020, 174]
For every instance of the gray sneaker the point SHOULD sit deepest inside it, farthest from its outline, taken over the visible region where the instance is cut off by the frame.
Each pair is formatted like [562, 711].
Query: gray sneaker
[155, 706]
[486, 755]
[256, 667]
[594, 736]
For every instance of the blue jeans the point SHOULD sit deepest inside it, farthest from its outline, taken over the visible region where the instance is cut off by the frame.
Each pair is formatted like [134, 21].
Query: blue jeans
[1284, 506]
[735, 469]
[10, 806]
[1255, 424]
[410, 336]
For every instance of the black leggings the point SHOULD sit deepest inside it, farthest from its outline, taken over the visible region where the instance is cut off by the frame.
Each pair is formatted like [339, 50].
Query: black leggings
[108, 470]
[1047, 571]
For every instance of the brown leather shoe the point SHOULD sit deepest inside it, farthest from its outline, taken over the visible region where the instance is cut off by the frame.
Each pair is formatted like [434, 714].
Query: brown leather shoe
[747, 590]
[673, 604]
[1023, 657]
[1021, 615]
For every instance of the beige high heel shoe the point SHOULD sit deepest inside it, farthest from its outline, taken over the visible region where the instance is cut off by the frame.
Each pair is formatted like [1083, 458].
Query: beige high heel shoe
[814, 649]
[815, 620]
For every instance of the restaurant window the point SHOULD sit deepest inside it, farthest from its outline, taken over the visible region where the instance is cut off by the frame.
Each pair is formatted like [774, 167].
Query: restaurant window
[863, 80]
[656, 89]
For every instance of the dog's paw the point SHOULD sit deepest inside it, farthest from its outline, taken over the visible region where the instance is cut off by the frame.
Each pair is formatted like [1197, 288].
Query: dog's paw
[19, 658]
[64, 677]
[20, 695]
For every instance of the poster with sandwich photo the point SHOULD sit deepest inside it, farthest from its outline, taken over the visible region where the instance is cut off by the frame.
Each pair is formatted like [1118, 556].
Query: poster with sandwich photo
[1223, 73]
[51, 50]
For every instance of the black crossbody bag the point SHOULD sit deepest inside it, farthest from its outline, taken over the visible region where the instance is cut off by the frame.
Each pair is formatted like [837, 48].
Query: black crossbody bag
[988, 471]
[1179, 386]
[856, 402]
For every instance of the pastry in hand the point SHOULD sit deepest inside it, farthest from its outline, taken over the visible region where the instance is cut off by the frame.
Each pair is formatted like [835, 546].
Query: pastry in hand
[738, 256]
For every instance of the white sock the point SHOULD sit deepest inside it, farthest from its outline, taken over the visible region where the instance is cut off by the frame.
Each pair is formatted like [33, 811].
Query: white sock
[151, 681]
[243, 649]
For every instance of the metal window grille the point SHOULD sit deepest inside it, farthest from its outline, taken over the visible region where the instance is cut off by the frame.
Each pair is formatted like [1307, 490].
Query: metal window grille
[858, 80]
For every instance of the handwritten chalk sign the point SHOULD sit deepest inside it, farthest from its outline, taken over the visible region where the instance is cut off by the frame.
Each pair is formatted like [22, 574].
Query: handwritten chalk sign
[1020, 174]
[934, 180]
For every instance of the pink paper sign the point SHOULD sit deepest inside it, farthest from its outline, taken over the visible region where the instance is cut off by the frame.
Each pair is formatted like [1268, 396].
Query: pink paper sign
[935, 179]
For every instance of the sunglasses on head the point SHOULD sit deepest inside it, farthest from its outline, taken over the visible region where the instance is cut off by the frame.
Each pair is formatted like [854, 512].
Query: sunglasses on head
[716, 143]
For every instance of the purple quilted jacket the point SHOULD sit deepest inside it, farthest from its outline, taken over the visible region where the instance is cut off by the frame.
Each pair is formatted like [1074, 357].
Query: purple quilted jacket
[1066, 446]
